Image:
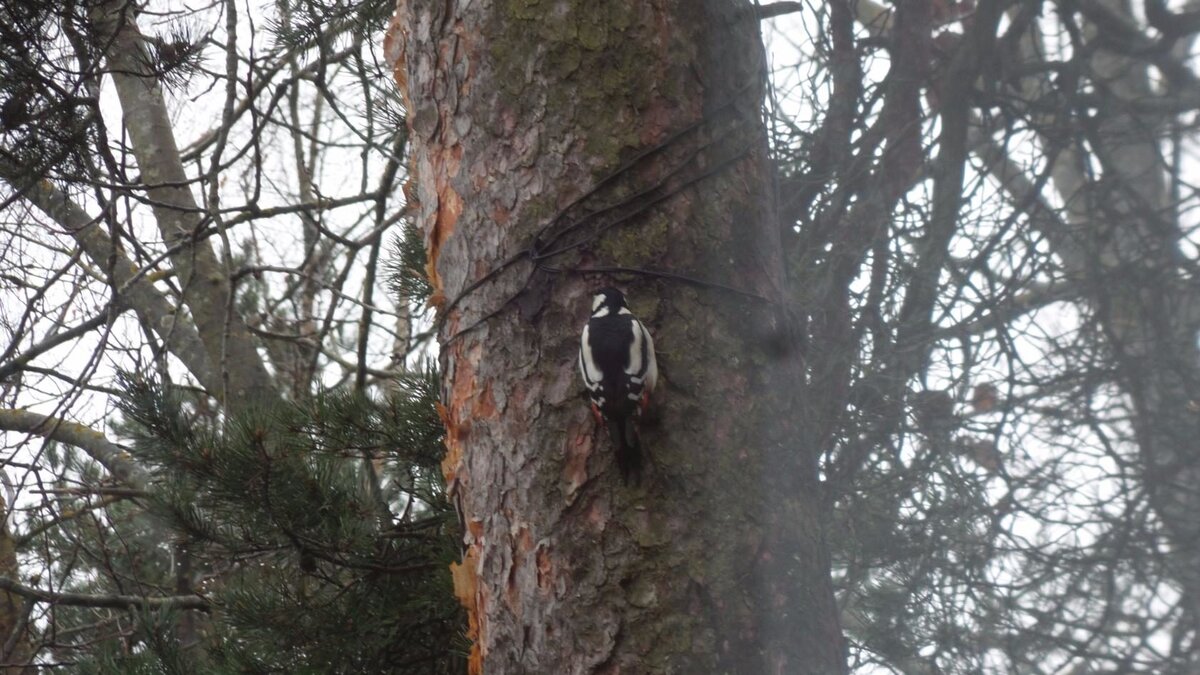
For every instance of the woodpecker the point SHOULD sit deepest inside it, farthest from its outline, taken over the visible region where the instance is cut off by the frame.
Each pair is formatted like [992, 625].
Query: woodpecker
[616, 359]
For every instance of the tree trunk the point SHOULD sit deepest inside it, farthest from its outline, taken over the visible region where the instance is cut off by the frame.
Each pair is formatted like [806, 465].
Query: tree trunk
[553, 138]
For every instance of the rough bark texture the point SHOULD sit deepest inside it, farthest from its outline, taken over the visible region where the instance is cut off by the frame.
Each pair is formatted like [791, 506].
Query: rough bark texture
[527, 114]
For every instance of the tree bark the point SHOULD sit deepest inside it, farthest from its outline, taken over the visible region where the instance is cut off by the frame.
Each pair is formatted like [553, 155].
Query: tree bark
[552, 139]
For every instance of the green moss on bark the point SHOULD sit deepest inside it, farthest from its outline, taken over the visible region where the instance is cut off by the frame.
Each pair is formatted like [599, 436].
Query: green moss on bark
[636, 244]
[584, 43]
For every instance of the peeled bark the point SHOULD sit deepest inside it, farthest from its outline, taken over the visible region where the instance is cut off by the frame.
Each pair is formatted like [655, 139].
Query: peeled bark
[551, 138]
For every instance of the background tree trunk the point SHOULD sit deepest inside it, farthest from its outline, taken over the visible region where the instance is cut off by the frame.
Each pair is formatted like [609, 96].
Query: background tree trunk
[14, 609]
[549, 140]
[208, 293]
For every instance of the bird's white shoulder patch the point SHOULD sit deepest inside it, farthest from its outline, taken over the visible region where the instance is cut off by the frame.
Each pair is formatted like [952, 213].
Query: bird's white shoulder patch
[652, 364]
[587, 363]
[635, 366]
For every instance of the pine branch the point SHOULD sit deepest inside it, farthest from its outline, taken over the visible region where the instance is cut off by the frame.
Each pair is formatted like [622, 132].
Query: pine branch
[109, 601]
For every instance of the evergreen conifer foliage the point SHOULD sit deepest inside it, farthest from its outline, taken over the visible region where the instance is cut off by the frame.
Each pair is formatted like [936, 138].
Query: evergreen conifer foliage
[305, 567]
[213, 190]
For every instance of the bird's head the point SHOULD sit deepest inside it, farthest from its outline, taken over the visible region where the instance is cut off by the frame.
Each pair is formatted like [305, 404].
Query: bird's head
[608, 301]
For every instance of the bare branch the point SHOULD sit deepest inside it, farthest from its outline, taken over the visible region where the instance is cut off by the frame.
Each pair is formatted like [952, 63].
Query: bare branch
[22, 359]
[154, 310]
[777, 9]
[110, 455]
[208, 292]
[113, 601]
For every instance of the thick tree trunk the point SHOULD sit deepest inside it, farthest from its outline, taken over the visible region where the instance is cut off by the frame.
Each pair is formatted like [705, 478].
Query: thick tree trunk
[644, 117]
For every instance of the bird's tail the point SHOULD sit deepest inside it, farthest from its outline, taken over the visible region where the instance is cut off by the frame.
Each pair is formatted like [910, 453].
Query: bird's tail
[628, 447]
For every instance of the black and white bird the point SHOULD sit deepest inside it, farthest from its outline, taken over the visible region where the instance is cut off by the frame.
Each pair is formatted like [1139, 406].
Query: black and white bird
[616, 358]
